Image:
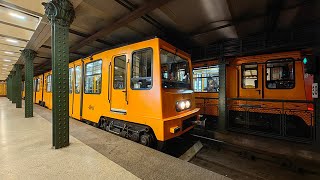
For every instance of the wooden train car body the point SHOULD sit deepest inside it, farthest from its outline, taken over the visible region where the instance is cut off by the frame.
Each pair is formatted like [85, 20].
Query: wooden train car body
[266, 92]
[140, 91]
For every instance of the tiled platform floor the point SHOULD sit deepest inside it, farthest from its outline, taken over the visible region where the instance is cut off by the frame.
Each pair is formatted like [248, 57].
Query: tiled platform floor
[26, 153]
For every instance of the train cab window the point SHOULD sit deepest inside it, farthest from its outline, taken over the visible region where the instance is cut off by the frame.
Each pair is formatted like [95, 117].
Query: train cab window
[280, 74]
[70, 80]
[77, 83]
[249, 76]
[49, 84]
[93, 77]
[206, 79]
[175, 71]
[119, 77]
[141, 71]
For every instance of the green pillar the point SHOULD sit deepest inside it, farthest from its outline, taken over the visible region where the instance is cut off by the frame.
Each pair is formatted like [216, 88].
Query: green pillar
[17, 87]
[14, 85]
[61, 14]
[9, 86]
[222, 122]
[28, 56]
[13, 75]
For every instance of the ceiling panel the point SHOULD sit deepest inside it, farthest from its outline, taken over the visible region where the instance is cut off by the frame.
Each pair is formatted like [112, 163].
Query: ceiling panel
[35, 5]
[15, 32]
[18, 18]
[4, 47]
[93, 15]
[13, 42]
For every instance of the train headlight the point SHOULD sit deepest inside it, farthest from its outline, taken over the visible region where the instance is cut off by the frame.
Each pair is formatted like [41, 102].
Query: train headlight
[183, 105]
[188, 104]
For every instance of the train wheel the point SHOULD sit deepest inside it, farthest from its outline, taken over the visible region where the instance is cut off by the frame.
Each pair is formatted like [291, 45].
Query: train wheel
[146, 139]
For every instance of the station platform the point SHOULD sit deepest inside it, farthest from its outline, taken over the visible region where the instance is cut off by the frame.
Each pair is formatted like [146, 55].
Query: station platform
[26, 152]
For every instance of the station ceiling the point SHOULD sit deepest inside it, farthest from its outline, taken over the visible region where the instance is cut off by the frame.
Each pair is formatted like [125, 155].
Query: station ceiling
[184, 23]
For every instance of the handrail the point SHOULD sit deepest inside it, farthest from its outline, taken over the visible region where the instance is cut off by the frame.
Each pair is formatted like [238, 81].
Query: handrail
[109, 76]
[126, 79]
[271, 100]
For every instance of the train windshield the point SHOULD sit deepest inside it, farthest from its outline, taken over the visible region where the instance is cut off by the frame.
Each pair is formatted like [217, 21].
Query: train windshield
[175, 71]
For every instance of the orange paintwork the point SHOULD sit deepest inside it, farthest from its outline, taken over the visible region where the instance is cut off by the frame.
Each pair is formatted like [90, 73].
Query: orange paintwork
[144, 106]
[23, 90]
[3, 88]
[38, 90]
[76, 96]
[235, 90]
[154, 107]
[47, 94]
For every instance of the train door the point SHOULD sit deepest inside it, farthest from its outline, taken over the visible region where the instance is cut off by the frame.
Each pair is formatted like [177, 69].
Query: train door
[34, 89]
[38, 87]
[71, 89]
[77, 95]
[250, 84]
[119, 86]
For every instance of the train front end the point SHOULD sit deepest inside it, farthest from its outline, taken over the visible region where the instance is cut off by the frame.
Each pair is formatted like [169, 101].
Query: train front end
[179, 112]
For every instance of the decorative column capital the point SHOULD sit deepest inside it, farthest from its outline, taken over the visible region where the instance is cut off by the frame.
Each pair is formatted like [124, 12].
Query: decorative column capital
[60, 12]
[28, 54]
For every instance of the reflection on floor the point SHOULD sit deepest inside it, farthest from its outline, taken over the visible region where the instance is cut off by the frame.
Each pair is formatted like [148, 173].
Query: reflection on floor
[26, 153]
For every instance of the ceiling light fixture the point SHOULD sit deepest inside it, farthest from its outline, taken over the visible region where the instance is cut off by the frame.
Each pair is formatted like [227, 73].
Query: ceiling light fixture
[8, 52]
[7, 60]
[12, 40]
[17, 16]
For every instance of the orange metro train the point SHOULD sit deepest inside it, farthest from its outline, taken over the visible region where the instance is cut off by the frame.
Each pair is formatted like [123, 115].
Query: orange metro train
[141, 91]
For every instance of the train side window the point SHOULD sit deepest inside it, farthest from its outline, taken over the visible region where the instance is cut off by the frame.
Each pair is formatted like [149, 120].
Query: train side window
[249, 76]
[280, 74]
[141, 70]
[34, 85]
[38, 84]
[49, 83]
[206, 79]
[93, 77]
[70, 80]
[22, 86]
[77, 83]
[119, 73]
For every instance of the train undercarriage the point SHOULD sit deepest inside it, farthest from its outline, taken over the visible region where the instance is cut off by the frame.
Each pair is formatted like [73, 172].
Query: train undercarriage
[135, 132]
[266, 123]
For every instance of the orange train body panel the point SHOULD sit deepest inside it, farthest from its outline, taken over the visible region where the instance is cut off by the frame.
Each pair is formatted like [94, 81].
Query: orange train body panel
[47, 90]
[23, 94]
[38, 89]
[235, 89]
[100, 94]
[3, 88]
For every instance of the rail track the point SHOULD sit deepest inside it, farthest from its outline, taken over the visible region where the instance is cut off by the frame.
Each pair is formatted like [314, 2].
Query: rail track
[239, 162]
